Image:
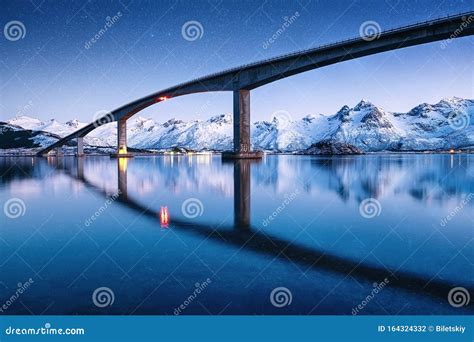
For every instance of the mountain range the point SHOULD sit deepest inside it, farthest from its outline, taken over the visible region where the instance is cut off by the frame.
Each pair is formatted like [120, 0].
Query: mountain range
[445, 125]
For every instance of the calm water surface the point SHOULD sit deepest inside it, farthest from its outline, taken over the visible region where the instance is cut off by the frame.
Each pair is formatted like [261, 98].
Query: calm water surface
[238, 230]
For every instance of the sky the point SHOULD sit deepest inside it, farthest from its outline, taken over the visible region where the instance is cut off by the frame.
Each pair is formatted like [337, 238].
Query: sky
[56, 71]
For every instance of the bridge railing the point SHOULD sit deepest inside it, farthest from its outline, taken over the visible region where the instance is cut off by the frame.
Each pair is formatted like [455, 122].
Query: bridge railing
[320, 48]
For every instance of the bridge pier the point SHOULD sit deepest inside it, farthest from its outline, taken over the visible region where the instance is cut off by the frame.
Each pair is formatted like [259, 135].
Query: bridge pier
[121, 140]
[241, 120]
[242, 145]
[80, 147]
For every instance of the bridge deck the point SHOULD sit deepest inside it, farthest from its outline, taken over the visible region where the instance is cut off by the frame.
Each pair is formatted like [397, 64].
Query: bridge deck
[253, 75]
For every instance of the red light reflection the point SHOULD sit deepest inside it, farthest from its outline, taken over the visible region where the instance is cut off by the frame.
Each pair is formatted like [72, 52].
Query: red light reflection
[164, 217]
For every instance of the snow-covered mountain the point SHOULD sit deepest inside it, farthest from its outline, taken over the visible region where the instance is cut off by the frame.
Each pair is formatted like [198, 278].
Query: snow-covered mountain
[447, 124]
[16, 137]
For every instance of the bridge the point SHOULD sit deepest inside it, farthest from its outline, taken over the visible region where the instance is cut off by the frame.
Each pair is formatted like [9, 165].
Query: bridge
[241, 80]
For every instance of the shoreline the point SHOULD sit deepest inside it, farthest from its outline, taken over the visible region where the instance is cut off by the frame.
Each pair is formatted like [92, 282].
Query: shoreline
[155, 154]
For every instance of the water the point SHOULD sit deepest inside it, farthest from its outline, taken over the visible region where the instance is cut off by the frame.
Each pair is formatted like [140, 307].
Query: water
[236, 232]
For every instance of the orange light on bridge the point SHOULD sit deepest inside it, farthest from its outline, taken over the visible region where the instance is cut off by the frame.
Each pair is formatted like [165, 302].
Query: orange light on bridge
[163, 98]
[164, 217]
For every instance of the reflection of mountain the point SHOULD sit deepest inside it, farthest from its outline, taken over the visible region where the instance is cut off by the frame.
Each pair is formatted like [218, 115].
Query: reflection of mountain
[445, 125]
[425, 178]
[422, 177]
[170, 174]
[247, 237]
[12, 169]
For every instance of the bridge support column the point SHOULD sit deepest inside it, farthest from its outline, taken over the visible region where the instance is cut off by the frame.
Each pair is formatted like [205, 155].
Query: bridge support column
[59, 151]
[121, 140]
[80, 146]
[241, 120]
[122, 136]
[242, 146]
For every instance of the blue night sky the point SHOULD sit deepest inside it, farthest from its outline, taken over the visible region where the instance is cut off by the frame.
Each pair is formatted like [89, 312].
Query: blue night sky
[49, 73]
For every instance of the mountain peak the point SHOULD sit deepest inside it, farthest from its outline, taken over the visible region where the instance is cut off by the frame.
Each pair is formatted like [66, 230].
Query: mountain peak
[421, 110]
[344, 109]
[171, 122]
[221, 118]
[451, 101]
[363, 104]
[24, 117]
[281, 120]
[73, 123]
[141, 118]
[144, 123]
[26, 122]
[343, 114]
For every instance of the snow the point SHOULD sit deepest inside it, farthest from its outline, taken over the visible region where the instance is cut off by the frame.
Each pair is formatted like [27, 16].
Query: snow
[366, 126]
[26, 122]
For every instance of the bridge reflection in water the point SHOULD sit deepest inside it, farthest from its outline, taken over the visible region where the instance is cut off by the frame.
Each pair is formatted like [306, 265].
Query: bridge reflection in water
[122, 164]
[245, 236]
[242, 194]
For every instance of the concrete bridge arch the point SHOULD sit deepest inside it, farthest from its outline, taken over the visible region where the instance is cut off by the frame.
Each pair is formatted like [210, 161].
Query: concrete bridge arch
[241, 80]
